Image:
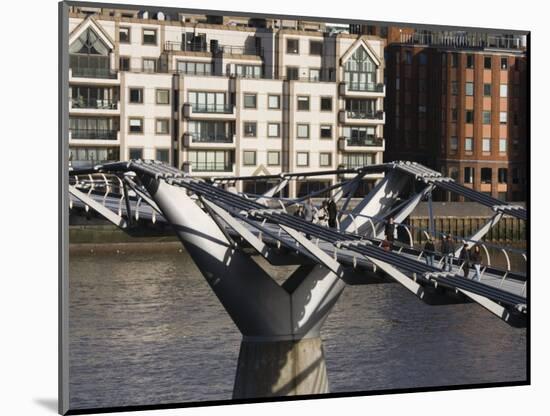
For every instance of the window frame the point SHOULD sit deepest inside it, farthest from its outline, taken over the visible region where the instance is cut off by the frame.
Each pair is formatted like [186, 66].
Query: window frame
[297, 52]
[142, 95]
[272, 152]
[129, 28]
[329, 154]
[325, 97]
[143, 29]
[298, 125]
[274, 123]
[255, 124]
[157, 90]
[298, 159]
[255, 100]
[321, 126]
[255, 158]
[164, 119]
[298, 102]
[165, 149]
[320, 42]
[130, 125]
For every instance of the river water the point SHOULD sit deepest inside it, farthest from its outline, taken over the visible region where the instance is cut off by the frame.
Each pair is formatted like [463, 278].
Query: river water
[146, 329]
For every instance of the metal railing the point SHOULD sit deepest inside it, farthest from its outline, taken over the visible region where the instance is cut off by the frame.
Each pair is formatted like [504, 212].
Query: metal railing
[463, 40]
[211, 138]
[99, 104]
[93, 134]
[365, 86]
[212, 108]
[375, 115]
[211, 167]
[93, 73]
[365, 141]
[210, 48]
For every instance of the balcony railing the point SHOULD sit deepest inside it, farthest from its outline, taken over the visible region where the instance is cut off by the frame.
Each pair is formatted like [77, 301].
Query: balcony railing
[211, 48]
[93, 134]
[362, 115]
[98, 104]
[463, 40]
[211, 167]
[365, 141]
[213, 108]
[211, 138]
[365, 86]
[105, 73]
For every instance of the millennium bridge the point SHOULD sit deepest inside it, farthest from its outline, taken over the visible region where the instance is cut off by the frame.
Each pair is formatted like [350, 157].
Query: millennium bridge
[281, 349]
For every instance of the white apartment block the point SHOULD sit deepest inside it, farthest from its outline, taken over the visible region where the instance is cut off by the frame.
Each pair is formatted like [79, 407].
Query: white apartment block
[223, 96]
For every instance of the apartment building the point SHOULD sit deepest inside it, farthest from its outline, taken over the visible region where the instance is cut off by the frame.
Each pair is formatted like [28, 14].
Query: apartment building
[223, 96]
[457, 102]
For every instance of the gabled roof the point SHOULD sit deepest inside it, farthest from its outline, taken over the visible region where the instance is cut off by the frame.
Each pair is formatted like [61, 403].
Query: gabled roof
[354, 46]
[90, 21]
[262, 170]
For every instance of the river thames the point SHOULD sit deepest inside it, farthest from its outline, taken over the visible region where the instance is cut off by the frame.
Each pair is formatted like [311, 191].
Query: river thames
[145, 329]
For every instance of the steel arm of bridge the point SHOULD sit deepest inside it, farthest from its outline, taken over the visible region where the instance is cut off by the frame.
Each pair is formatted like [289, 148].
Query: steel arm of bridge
[141, 194]
[99, 208]
[276, 189]
[479, 234]
[377, 203]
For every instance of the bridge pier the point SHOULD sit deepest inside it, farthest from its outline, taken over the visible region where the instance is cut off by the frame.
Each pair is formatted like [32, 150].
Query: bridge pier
[280, 368]
[281, 352]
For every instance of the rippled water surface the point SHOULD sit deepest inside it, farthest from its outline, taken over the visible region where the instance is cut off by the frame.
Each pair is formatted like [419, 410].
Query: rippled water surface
[146, 329]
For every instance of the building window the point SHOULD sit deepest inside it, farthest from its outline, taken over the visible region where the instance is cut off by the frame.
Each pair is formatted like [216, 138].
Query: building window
[303, 103]
[408, 57]
[203, 101]
[503, 90]
[469, 144]
[314, 74]
[487, 90]
[454, 143]
[163, 96]
[136, 95]
[124, 63]
[163, 155]
[135, 153]
[502, 145]
[325, 159]
[469, 175]
[194, 68]
[302, 159]
[503, 63]
[454, 114]
[502, 175]
[326, 103]
[303, 131]
[422, 58]
[136, 125]
[454, 87]
[486, 117]
[315, 47]
[211, 160]
[273, 158]
[249, 128]
[469, 61]
[469, 116]
[149, 36]
[273, 130]
[486, 144]
[486, 175]
[469, 88]
[487, 62]
[454, 60]
[124, 34]
[162, 126]
[292, 46]
[149, 65]
[248, 71]
[274, 102]
[291, 72]
[249, 157]
[326, 132]
[503, 117]
[249, 100]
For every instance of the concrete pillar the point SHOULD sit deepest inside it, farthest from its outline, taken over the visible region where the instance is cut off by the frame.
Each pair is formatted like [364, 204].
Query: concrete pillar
[281, 368]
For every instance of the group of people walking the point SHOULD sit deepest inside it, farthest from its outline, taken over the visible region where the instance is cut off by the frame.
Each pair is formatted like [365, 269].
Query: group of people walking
[326, 215]
[468, 256]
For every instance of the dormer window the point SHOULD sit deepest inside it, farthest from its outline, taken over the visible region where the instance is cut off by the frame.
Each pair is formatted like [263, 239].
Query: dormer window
[360, 71]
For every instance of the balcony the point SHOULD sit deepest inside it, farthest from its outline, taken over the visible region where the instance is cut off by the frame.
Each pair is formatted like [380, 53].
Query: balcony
[209, 111]
[211, 48]
[362, 89]
[94, 136]
[361, 144]
[99, 76]
[220, 141]
[464, 40]
[209, 168]
[361, 117]
[87, 106]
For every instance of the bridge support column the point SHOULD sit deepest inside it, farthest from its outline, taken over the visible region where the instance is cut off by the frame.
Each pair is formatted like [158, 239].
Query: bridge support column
[280, 368]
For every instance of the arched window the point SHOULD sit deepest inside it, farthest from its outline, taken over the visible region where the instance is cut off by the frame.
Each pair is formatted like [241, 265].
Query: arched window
[360, 71]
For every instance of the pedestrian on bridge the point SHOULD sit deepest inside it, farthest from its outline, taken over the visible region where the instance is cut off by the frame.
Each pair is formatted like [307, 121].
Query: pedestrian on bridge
[308, 210]
[429, 251]
[299, 212]
[389, 230]
[332, 213]
[465, 257]
[447, 249]
[475, 258]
